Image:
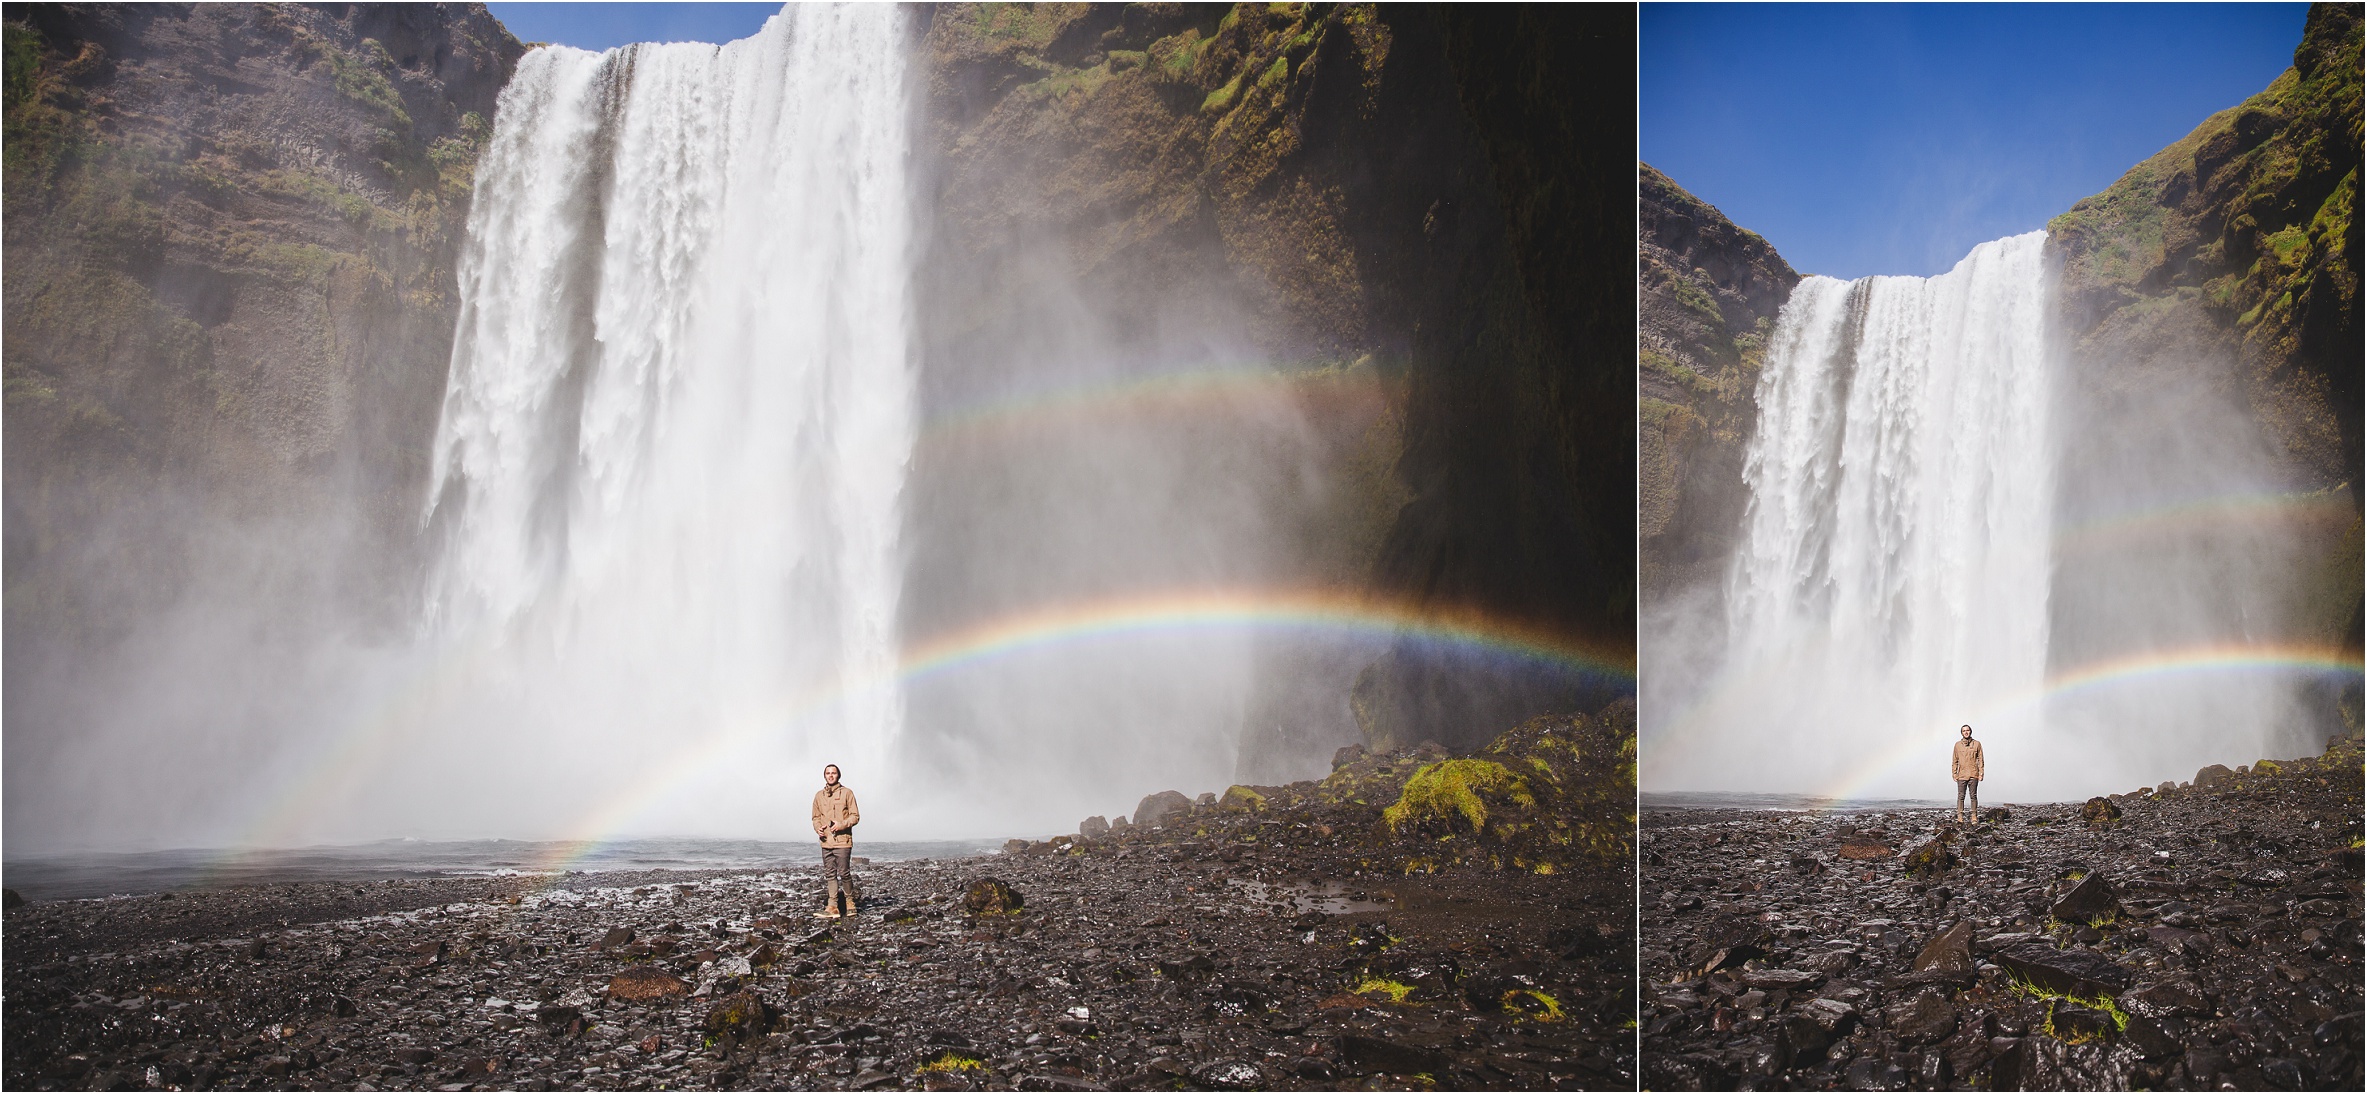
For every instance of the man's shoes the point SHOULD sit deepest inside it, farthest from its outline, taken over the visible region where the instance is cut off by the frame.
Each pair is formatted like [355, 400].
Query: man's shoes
[829, 901]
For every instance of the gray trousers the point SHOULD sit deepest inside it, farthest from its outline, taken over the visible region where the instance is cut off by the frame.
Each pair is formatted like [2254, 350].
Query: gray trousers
[836, 862]
[1968, 788]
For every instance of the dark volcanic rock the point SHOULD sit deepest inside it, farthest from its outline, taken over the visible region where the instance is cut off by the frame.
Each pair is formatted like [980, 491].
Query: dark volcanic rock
[1948, 951]
[2220, 979]
[2092, 899]
[642, 983]
[1157, 809]
[989, 896]
[2075, 972]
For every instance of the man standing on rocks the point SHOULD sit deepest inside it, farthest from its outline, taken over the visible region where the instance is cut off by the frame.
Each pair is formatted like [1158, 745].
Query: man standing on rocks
[835, 817]
[1966, 768]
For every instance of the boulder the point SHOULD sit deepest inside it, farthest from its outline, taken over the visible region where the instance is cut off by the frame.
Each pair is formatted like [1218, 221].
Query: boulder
[1157, 809]
[1120, 823]
[2214, 775]
[1996, 814]
[2081, 973]
[2166, 999]
[1861, 847]
[646, 982]
[1346, 755]
[1928, 858]
[988, 896]
[1925, 1018]
[2100, 813]
[1241, 799]
[1948, 951]
[617, 938]
[2091, 900]
[738, 1018]
[1206, 800]
[1094, 828]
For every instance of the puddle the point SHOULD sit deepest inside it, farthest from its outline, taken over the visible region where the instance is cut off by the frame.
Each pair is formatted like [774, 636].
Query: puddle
[1327, 897]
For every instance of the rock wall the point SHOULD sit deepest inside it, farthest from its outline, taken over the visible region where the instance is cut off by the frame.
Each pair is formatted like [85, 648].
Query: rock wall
[1707, 296]
[231, 233]
[1305, 186]
[2224, 269]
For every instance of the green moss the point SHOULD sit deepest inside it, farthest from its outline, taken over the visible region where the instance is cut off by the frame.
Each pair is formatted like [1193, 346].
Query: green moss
[1221, 99]
[360, 79]
[22, 65]
[1695, 298]
[1396, 991]
[1276, 74]
[1533, 1005]
[951, 1063]
[1457, 788]
[1241, 799]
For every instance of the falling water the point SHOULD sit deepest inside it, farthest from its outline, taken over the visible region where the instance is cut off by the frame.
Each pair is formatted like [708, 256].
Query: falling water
[1893, 578]
[673, 446]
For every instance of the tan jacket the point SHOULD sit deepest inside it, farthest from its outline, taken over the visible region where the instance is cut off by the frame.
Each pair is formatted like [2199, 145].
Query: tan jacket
[1966, 764]
[835, 816]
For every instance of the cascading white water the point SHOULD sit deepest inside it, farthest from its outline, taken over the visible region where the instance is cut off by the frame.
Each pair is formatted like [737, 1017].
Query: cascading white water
[1894, 574]
[673, 446]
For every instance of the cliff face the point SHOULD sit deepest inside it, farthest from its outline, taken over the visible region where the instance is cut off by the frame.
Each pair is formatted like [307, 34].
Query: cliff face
[1303, 187]
[1708, 295]
[2222, 275]
[231, 232]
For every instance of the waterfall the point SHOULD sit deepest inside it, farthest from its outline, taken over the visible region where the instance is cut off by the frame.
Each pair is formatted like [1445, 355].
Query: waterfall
[1893, 576]
[666, 483]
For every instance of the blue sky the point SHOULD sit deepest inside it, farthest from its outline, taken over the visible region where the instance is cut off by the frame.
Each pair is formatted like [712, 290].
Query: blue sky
[1878, 138]
[605, 26]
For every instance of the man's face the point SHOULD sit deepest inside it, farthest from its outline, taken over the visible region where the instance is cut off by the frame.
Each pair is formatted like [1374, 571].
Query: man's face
[1968, 733]
[830, 773]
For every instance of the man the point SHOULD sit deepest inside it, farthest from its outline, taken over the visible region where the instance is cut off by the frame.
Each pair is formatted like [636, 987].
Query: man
[835, 818]
[1966, 768]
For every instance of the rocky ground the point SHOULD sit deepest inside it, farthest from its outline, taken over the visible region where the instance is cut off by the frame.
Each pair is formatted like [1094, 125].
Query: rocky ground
[1271, 938]
[2204, 936]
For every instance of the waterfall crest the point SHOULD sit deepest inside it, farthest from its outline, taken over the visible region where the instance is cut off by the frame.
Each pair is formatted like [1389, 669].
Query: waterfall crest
[667, 479]
[1893, 576]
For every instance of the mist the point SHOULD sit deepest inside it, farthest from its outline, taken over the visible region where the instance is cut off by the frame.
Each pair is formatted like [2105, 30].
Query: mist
[757, 452]
[1956, 516]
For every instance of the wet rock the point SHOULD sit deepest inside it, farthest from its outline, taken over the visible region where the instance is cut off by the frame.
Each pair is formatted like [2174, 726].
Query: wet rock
[1230, 1075]
[2075, 972]
[1948, 951]
[2093, 899]
[617, 938]
[1926, 1018]
[990, 896]
[1345, 755]
[2099, 813]
[1241, 799]
[1206, 800]
[738, 1018]
[9, 899]
[1093, 828]
[1929, 858]
[1862, 848]
[1158, 809]
[1996, 814]
[1372, 1055]
[643, 983]
[2214, 775]
[2165, 999]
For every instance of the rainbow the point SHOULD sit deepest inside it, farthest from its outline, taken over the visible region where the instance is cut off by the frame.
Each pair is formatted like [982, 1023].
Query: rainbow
[1222, 389]
[1303, 611]
[2145, 527]
[1918, 746]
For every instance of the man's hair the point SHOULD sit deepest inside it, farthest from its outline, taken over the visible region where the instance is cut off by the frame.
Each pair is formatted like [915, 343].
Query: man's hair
[1965, 727]
[832, 767]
